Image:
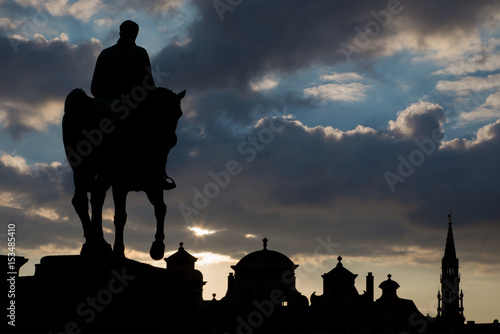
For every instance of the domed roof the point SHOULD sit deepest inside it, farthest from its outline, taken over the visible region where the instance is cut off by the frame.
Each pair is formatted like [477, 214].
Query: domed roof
[265, 258]
[389, 284]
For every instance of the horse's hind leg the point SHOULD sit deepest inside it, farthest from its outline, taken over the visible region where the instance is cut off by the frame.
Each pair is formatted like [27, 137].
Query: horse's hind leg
[120, 200]
[158, 247]
[80, 202]
[94, 242]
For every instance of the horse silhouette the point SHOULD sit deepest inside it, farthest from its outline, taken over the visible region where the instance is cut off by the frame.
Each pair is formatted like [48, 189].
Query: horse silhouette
[122, 145]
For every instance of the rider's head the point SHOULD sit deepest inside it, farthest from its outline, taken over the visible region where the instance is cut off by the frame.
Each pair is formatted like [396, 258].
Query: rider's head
[129, 30]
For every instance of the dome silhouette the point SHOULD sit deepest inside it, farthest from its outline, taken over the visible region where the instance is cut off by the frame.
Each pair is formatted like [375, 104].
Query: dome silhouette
[265, 258]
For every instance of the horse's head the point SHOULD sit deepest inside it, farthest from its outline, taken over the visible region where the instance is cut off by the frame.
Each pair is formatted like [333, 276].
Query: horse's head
[167, 106]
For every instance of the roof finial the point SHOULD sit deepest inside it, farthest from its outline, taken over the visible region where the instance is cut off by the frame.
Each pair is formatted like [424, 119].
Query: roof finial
[339, 258]
[389, 276]
[449, 218]
[181, 244]
[264, 241]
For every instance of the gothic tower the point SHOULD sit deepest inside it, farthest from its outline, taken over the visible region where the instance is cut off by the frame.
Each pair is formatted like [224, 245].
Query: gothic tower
[450, 298]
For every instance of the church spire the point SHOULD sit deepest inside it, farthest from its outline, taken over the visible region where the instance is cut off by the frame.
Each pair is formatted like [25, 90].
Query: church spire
[449, 251]
[450, 299]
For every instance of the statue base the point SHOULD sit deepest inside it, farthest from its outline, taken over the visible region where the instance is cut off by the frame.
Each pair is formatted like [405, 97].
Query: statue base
[80, 294]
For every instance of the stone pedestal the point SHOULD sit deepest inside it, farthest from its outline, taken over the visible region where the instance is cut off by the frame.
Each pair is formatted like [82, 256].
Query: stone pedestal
[75, 294]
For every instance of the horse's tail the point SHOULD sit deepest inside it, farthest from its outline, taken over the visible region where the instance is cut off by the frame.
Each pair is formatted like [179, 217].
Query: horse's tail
[79, 114]
[77, 101]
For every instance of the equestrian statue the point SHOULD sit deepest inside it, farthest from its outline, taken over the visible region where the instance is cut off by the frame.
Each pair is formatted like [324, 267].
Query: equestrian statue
[120, 139]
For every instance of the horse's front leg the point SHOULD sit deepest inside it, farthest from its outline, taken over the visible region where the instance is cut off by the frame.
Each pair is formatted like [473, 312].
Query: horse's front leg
[120, 201]
[158, 247]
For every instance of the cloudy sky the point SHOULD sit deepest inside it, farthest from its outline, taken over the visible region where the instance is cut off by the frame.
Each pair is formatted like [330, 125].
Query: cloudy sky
[329, 127]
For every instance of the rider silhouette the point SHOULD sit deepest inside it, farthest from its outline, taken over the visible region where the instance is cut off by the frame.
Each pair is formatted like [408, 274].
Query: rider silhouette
[121, 68]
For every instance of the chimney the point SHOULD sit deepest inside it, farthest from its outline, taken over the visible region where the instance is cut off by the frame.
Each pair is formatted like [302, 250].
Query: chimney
[230, 283]
[369, 287]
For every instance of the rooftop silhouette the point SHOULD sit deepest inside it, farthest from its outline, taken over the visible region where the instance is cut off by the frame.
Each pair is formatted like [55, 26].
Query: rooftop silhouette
[113, 294]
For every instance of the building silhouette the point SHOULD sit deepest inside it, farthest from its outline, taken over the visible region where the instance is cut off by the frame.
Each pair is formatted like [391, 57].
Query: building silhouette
[260, 275]
[181, 264]
[450, 311]
[341, 308]
[75, 294]
[392, 314]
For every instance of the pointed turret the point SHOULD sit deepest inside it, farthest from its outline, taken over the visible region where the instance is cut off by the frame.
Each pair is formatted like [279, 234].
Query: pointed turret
[449, 250]
[181, 259]
[183, 272]
[450, 299]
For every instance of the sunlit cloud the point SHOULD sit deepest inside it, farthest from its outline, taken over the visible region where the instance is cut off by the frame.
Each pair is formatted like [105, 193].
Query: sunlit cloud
[266, 83]
[489, 110]
[399, 256]
[207, 258]
[52, 249]
[470, 83]
[348, 92]
[413, 122]
[10, 200]
[341, 77]
[7, 23]
[437, 46]
[108, 214]
[107, 230]
[326, 131]
[484, 134]
[34, 116]
[485, 58]
[16, 162]
[82, 9]
[105, 22]
[312, 262]
[203, 258]
[201, 231]
[47, 213]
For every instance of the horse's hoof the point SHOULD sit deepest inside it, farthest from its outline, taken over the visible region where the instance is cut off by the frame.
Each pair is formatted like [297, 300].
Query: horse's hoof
[157, 250]
[96, 248]
[105, 248]
[119, 251]
[87, 250]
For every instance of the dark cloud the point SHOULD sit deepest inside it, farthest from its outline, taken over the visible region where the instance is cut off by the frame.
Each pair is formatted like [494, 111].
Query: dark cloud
[41, 70]
[252, 39]
[255, 37]
[155, 7]
[38, 72]
[300, 183]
